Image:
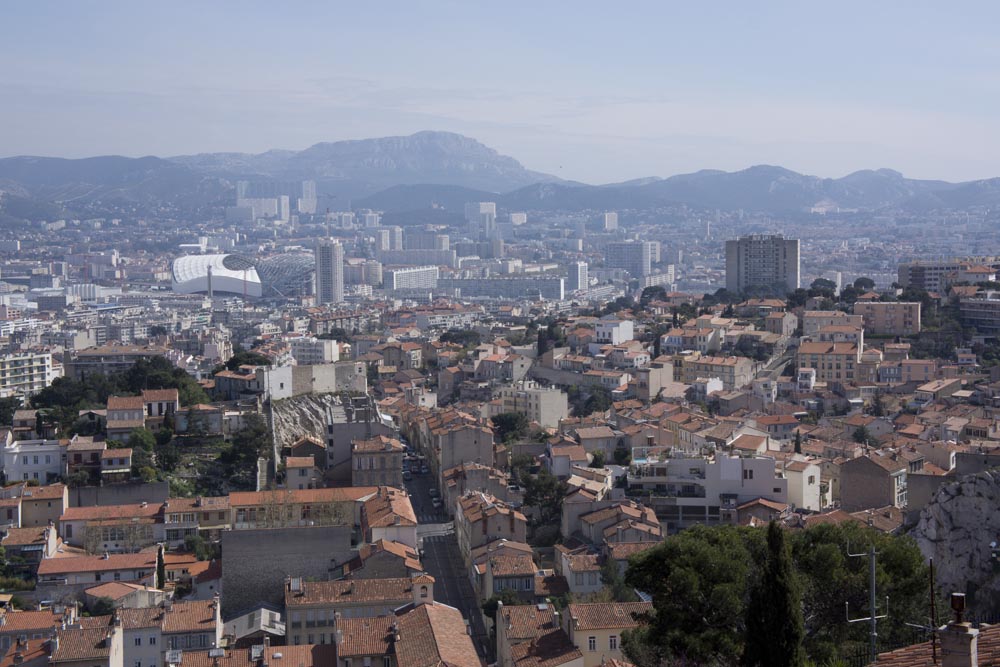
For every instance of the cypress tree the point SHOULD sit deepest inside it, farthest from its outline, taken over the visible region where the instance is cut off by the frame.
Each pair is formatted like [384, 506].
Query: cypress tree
[798, 441]
[161, 569]
[774, 626]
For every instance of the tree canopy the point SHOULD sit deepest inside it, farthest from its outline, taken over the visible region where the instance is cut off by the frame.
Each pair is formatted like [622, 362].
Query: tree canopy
[509, 426]
[701, 582]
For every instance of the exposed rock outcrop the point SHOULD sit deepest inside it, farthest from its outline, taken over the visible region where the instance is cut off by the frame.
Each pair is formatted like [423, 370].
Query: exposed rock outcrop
[956, 529]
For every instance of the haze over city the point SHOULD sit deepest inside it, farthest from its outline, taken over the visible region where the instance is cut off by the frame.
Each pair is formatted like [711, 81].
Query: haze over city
[597, 92]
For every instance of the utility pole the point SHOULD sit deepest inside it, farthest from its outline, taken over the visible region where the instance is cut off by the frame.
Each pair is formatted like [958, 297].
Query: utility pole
[873, 616]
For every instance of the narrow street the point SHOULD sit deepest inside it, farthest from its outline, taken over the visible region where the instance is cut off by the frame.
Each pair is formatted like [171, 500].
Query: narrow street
[443, 561]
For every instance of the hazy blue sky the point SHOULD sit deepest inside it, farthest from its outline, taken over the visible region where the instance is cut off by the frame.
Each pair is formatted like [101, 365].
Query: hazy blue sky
[596, 91]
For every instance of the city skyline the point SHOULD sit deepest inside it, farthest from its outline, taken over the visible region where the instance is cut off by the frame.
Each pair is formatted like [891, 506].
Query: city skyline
[674, 90]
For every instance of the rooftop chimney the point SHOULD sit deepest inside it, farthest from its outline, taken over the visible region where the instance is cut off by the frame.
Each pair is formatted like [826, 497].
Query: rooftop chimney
[959, 640]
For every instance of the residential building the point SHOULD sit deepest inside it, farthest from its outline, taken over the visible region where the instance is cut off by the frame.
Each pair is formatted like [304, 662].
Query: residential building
[544, 405]
[762, 261]
[578, 278]
[695, 490]
[313, 609]
[596, 629]
[735, 372]
[873, 481]
[480, 518]
[329, 272]
[833, 362]
[377, 461]
[410, 277]
[813, 321]
[891, 318]
[632, 256]
[26, 373]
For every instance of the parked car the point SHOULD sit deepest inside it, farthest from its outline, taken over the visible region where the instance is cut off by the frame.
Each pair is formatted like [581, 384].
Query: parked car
[424, 470]
[436, 503]
[407, 476]
[433, 493]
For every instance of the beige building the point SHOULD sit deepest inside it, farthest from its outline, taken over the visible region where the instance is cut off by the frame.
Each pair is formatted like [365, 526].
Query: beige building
[539, 404]
[596, 629]
[872, 482]
[377, 462]
[480, 518]
[833, 362]
[735, 372]
[312, 608]
[814, 320]
[890, 318]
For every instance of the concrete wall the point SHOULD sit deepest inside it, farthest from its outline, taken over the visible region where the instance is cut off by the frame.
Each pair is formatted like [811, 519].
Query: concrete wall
[119, 494]
[258, 561]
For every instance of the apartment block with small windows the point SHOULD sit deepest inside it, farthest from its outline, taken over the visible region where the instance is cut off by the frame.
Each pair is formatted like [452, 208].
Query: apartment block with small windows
[833, 362]
[890, 318]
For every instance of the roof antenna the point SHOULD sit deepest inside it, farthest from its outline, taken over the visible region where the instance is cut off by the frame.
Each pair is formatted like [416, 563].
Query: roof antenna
[873, 616]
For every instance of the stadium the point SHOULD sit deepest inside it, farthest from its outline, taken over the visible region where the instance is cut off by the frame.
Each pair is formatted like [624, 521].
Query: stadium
[284, 275]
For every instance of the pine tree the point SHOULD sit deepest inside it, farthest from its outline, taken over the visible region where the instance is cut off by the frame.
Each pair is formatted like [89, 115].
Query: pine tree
[798, 441]
[774, 626]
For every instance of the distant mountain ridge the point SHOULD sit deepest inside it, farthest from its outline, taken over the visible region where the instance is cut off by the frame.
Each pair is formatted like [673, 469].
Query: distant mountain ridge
[759, 188]
[365, 166]
[443, 170]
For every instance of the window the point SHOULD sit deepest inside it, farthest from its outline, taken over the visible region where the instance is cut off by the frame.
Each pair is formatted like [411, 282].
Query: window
[48, 458]
[386, 661]
[776, 489]
[138, 641]
[34, 460]
[138, 663]
[812, 479]
[24, 460]
[591, 643]
[118, 577]
[152, 641]
[423, 591]
[613, 642]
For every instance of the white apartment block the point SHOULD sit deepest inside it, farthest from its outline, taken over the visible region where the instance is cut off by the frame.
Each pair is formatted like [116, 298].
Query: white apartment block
[26, 373]
[410, 277]
[312, 351]
[688, 491]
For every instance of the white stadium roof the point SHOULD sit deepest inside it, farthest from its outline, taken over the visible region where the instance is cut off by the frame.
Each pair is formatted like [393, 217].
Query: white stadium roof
[232, 274]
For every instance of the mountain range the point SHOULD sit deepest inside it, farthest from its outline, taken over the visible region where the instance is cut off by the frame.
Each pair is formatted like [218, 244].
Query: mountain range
[444, 170]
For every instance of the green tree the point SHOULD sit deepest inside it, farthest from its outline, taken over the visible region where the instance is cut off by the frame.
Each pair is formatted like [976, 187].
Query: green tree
[510, 426]
[650, 294]
[774, 627]
[614, 582]
[597, 459]
[506, 596]
[798, 441]
[862, 435]
[7, 408]
[698, 583]
[246, 358]
[463, 337]
[545, 492]
[102, 606]
[161, 568]
[864, 284]
[248, 444]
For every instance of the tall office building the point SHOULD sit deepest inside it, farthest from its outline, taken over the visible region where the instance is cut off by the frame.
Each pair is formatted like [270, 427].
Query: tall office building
[329, 271]
[636, 257]
[762, 261]
[610, 221]
[577, 278]
[383, 239]
[482, 218]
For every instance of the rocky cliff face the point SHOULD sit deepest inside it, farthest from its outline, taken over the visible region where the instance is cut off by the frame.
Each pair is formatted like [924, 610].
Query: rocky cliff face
[293, 418]
[956, 529]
